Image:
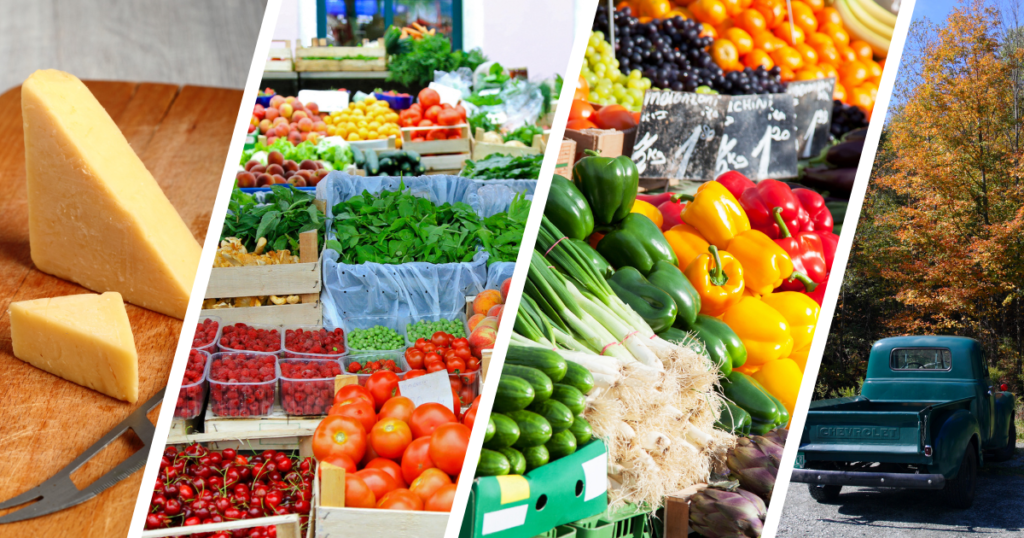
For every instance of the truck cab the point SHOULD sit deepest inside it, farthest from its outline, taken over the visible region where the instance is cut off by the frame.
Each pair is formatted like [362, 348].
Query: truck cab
[926, 417]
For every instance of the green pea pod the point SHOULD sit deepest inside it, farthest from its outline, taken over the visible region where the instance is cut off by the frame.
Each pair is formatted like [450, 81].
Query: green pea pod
[567, 209]
[655, 306]
[668, 278]
[723, 345]
[609, 184]
[741, 390]
[600, 264]
[636, 241]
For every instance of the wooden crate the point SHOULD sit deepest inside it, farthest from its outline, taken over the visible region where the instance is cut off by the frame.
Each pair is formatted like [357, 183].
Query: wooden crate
[287, 527]
[566, 158]
[437, 147]
[279, 58]
[324, 58]
[290, 314]
[482, 149]
[608, 142]
[485, 355]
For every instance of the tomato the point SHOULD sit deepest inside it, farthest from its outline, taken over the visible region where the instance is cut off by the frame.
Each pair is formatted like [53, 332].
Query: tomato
[455, 381]
[427, 484]
[463, 353]
[440, 339]
[460, 342]
[416, 459]
[420, 342]
[340, 460]
[414, 358]
[429, 347]
[466, 395]
[357, 493]
[428, 98]
[456, 404]
[357, 409]
[449, 354]
[472, 364]
[371, 455]
[436, 366]
[413, 373]
[580, 110]
[615, 117]
[448, 447]
[470, 417]
[579, 125]
[401, 499]
[378, 480]
[389, 437]
[399, 407]
[354, 390]
[390, 467]
[456, 366]
[582, 89]
[339, 435]
[442, 500]
[383, 385]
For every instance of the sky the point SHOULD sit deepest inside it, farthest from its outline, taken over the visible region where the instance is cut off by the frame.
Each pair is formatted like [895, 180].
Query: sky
[934, 10]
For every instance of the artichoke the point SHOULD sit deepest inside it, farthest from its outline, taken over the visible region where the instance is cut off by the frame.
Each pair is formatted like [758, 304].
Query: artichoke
[718, 512]
[754, 462]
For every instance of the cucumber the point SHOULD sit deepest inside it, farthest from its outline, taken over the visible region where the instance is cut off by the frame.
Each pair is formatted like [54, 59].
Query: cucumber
[492, 463]
[412, 156]
[579, 377]
[372, 165]
[489, 432]
[533, 429]
[536, 456]
[541, 383]
[506, 432]
[357, 156]
[674, 335]
[395, 154]
[561, 445]
[516, 460]
[405, 167]
[570, 397]
[385, 163]
[742, 391]
[514, 394]
[421, 169]
[581, 430]
[545, 360]
[733, 419]
[555, 412]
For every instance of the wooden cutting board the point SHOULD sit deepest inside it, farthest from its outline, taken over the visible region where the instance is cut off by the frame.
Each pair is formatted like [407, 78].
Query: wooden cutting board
[182, 135]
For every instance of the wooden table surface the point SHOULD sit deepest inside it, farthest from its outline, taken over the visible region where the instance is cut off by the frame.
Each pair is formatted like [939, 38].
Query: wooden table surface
[182, 135]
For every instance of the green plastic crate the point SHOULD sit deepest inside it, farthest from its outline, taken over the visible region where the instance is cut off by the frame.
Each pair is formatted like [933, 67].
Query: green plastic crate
[561, 531]
[627, 522]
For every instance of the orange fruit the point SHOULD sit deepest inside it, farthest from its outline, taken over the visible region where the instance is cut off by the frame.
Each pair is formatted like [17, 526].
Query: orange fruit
[812, 73]
[788, 57]
[836, 32]
[765, 41]
[828, 70]
[656, 9]
[874, 70]
[861, 97]
[739, 37]
[815, 39]
[789, 33]
[804, 17]
[733, 7]
[746, 3]
[827, 54]
[724, 53]
[774, 11]
[829, 15]
[786, 74]
[752, 21]
[846, 54]
[726, 25]
[815, 5]
[853, 73]
[758, 57]
[871, 88]
[709, 31]
[839, 92]
[862, 49]
[808, 53]
[709, 11]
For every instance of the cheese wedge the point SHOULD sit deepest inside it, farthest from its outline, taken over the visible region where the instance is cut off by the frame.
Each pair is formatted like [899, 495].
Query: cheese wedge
[85, 339]
[96, 215]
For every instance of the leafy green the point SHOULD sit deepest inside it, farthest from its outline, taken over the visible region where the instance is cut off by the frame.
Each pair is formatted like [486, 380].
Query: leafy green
[395, 227]
[331, 150]
[496, 75]
[501, 166]
[503, 232]
[558, 84]
[492, 99]
[482, 120]
[524, 134]
[284, 214]
[415, 68]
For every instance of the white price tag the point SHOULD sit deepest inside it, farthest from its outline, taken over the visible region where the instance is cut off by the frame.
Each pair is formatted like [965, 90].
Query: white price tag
[434, 387]
[448, 94]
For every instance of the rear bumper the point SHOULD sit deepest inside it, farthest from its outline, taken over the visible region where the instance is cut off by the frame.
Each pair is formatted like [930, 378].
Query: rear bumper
[863, 479]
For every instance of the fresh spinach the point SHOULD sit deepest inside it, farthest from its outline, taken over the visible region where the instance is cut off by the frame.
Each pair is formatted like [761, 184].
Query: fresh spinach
[524, 134]
[501, 166]
[503, 232]
[284, 214]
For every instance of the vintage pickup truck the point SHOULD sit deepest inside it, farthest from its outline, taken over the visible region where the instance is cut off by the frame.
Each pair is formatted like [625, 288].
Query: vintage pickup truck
[926, 417]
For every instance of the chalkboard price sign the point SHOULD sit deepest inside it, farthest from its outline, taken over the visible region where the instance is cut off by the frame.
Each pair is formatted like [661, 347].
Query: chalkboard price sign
[813, 104]
[758, 137]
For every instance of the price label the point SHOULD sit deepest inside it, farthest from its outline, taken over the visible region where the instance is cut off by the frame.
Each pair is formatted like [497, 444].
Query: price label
[812, 103]
[758, 137]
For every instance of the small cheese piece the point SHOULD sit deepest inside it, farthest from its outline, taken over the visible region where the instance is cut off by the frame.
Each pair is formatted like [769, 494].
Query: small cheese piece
[96, 215]
[85, 339]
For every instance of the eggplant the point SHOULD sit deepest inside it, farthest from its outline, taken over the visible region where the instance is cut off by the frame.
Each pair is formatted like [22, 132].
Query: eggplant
[837, 181]
[845, 154]
[855, 135]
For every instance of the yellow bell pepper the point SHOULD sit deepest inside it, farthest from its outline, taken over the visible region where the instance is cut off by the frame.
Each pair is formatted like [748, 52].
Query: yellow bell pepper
[765, 264]
[764, 332]
[718, 278]
[802, 314]
[649, 211]
[687, 243]
[716, 214]
[782, 379]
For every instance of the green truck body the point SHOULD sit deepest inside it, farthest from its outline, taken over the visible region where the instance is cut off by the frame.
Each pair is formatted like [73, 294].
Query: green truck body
[926, 417]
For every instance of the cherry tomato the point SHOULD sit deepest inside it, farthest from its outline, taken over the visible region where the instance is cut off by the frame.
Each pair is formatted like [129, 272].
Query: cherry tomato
[341, 460]
[455, 381]
[420, 343]
[464, 353]
[357, 409]
[439, 339]
[382, 385]
[389, 437]
[390, 467]
[428, 347]
[442, 499]
[468, 378]
[427, 483]
[466, 395]
[460, 342]
[435, 367]
[450, 354]
[448, 447]
[399, 407]
[353, 391]
[416, 459]
[379, 481]
[413, 373]
[339, 435]
[414, 358]
[401, 499]
[357, 493]
[472, 364]
[456, 366]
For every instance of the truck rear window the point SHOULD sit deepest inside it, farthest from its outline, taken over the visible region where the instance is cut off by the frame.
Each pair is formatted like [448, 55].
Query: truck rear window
[920, 358]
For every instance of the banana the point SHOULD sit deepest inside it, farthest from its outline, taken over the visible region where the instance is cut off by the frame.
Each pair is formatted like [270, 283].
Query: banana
[879, 44]
[878, 12]
[870, 22]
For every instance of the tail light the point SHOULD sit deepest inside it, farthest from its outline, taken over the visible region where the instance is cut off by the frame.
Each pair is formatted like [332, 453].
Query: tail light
[1004, 387]
[928, 451]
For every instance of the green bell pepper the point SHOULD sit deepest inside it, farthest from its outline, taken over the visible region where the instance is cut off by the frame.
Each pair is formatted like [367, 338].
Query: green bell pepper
[723, 346]
[669, 279]
[567, 209]
[655, 306]
[636, 242]
[609, 184]
[593, 258]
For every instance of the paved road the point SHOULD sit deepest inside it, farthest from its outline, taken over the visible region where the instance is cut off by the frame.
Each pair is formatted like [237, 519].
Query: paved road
[898, 513]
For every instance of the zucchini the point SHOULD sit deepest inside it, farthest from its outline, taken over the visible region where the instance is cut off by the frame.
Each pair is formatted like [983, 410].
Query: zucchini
[674, 335]
[581, 430]
[372, 164]
[492, 463]
[489, 432]
[536, 456]
[758, 427]
[555, 412]
[541, 383]
[579, 377]
[357, 156]
[742, 390]
[733, 419]
[783, 412]
[514, 394]
[570, 397]
[545, 360]
[533, 429]
[516, 460]
[506, 432]
[561, 445]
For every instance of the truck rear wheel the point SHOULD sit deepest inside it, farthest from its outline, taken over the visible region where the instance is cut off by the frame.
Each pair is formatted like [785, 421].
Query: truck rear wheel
[1006, 453]
[959, 491]
[824, 494]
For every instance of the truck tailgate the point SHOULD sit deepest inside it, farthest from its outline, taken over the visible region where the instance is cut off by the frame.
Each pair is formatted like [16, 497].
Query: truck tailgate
[863, 435]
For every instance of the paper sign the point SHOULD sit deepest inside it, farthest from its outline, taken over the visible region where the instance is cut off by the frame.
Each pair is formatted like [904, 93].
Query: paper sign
[500, 520]
[327, 101]
[448, 94]
[434, 387]
[595, 472]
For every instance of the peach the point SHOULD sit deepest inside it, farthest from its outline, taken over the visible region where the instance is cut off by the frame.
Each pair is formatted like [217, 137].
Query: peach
[485, 300]
[279, 121]
[258, 169]
[276, 101]
[297, 181]
[299, 115]
[254, 121]
[264, 126]
[275, 157]
[295, 138]
[286, 110]
[474, 319]
[313, 137]
[249, 165]
[489, 321]
[496, 311]
[504, 289]
[272, 113]
[275, 170]
[305, 124]
[270, 139]
[264, 180]
[481, 339]
[291, 99]
[313, 107]
[320, 127]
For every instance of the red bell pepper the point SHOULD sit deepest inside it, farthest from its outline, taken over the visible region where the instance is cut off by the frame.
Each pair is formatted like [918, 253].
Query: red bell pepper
[819, 292]
[768, 198]
[671, 212]
[829, 241]
[820, 218]
[655, 199]
[807, 253]
[735, 182]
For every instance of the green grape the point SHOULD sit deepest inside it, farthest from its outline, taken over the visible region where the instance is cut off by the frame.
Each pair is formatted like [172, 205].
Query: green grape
[593, 96]
[599, 71]
[591, 79]
[636, 94]
[598, 35]
[634, 84]
[647, 83]
[626, 100]
[603, 91]
[612, 73]
[591, 51]
[619, 93]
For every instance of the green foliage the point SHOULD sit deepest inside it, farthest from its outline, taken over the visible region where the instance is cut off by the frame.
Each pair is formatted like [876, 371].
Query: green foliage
[482, 120]
[415, 66]
[503, 232]
[285, 213]
[500, 166]
[524, 134]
